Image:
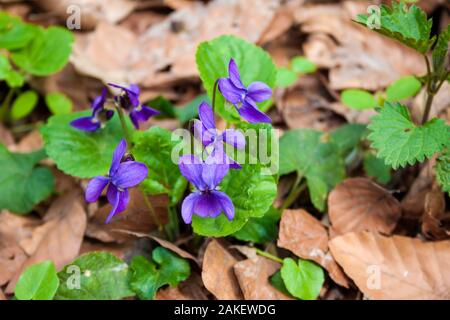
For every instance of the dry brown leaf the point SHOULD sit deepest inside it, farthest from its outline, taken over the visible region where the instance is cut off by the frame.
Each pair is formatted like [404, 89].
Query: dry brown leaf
[136, 218]
[6, 137]
[358, 204]
[395, 267]
[433, 215]
[11, 259]
[191, 289]
[253, 277]
[307, 238]
[14, 228]
[413, 203]
[441, 102]
[2, 296]
[61, 243]
[31, 142]
[217, 274]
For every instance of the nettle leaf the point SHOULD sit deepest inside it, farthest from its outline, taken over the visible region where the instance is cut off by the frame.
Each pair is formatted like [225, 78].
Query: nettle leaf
[409, 26]
[315, 156]
[302, 65]
[46, 53]
[358, 99]
[94, 276]
[303, 280]
[58, 103]
[400, 142]
[14, 34]
[167, 268]
[24, 104]
[78, 153]
[376, 168]
[403, 88]
[154, 148]
[443, 170]
[260, 230]
[440, 53]
[24, 184]
[252, 194]
[37, 282]
[285, 78]
[254, 65]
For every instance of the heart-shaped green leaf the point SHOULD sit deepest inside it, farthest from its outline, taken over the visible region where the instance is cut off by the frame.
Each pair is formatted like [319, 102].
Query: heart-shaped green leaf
[303, 280]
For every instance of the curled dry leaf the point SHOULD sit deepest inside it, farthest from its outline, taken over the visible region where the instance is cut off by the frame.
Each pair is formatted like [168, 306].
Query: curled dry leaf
[307, 238]
[432, 226]
[358, 204]
[11, 259]
[217, 274]
[394, 267]
[413, 203]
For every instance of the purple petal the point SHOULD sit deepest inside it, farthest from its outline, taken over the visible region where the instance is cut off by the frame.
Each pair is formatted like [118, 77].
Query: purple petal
[191, 168]
[118, 199]
[230, 92]
[201, 133]
[132, 92]
[259, 91]
[99, 101]
[234, 138]
[252, 114]
[206, 115]
[94, 188]
[226, 203]
[213, 173]
[219, 156]
[234, 76]
[207, 205]
[134, 119]
[117, 156]
[187, 208]
[144, 113]
[88, 124]
[129, 174]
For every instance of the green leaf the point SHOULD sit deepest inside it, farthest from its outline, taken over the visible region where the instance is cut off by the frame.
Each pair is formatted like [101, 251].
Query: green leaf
[285, 78]
[94, 276]
[37, 282]
[164, 106]
[58, 103]
[443, 170]
[399, 141]
[190, 110]
[277, 282]
[440, 54]
[410, 27]
[358, 99]
[253, 62]
[24, 104]
[14, 34]
[23, 183]
[376, 168]
[347, 137]
[403, 88]
[303, 280]
[154, 148]
[167, 268]
[316, 157]
[260, 230]
[14, 79]
[302, 65]
[251, 193]
[5, 66]
[46, 53]
[78, 153]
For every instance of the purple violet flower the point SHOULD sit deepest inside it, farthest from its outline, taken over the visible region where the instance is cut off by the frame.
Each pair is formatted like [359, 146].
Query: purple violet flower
[129, 100]
[122, 175]
[206, 201]
[245, 98]
[99, 115]
[205, 130]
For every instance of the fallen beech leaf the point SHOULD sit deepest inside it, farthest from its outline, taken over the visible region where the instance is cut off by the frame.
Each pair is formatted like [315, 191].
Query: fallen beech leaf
[307, 238]
[11, 259]
[253, 277]
[358, 204]
[434, 213]
[413, 203]
[61, 243]
[217, 274]
[394, 267]
[2, 296]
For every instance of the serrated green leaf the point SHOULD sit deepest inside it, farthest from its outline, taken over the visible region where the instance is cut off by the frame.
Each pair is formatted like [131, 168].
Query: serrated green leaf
[46, 53]
[253, 62]
[409, 26]
[285, 78]
[251, 193]
[24, 184]
[376, 168]
[260, 230]
[400, 142]
[167, 268]
[14, 34]
[58, 103]
[37, 282]
[78, 153]
[94, 276]
[316, 157]
[154, 148]
[403, 88]
[302, 65]
[443, 170]
[440, 54]
[358, 99]
[24, 104]
[303, 280]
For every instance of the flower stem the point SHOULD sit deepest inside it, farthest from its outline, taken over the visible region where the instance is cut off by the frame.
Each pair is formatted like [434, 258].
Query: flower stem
[4, 109]
[173, 227]
[152, 211]
[297, 188]
[214, 96]
[124, 126]
[268, 255]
